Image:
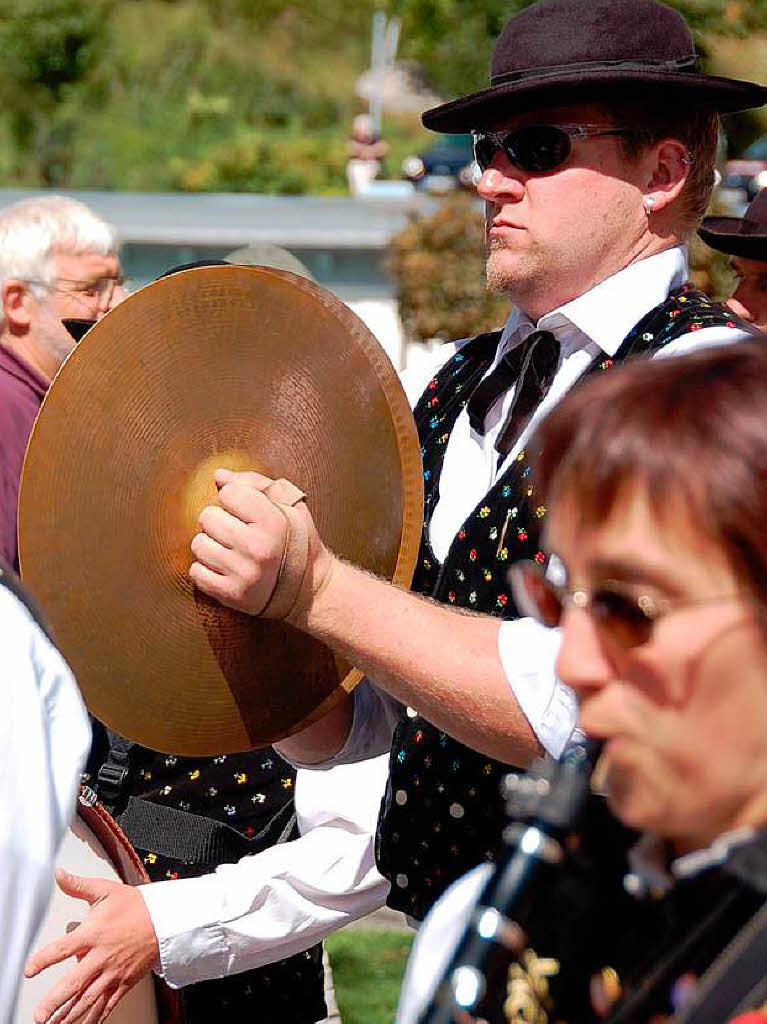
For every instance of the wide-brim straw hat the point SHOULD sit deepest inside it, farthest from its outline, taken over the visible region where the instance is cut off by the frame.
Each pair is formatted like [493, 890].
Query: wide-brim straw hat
[566, 51]
[740, 236]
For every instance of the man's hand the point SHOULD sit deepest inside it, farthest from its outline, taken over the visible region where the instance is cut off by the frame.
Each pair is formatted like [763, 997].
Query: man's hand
[115, 945]
[241, 548]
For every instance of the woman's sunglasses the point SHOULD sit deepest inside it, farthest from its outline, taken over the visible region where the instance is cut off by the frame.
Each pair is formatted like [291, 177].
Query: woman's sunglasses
[538, 147]
[626, 618]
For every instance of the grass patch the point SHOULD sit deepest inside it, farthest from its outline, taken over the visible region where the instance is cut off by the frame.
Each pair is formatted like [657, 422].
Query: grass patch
[368, 967]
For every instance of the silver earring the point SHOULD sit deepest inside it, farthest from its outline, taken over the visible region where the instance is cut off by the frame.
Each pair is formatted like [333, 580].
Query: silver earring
[649, 204]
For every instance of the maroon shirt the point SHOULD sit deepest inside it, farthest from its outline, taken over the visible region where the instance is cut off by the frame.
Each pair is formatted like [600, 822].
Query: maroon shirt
[22, 390]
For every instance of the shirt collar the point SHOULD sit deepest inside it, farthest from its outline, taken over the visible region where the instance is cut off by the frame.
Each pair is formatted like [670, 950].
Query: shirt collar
[16, 367]
[652, 870]
[606, 313]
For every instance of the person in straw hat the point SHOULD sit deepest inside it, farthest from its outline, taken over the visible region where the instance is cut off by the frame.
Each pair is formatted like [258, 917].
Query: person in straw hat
[745, 240]
[596, 140]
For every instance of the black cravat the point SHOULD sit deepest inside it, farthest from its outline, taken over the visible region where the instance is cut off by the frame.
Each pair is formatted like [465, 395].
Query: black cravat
[531, 366]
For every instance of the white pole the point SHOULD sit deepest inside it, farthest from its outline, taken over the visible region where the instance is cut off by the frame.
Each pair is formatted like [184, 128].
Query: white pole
[377, 63]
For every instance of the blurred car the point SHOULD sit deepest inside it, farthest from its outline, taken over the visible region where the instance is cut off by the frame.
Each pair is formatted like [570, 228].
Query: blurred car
[749, 172]
[447, 165]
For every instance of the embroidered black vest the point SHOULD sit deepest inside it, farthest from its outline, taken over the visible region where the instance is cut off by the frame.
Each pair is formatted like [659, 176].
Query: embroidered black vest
[442, 811]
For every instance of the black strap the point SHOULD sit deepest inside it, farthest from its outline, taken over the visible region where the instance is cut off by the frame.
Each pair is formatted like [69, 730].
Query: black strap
[688, 63]
[113, 774]
[735, 982]
[195, 839]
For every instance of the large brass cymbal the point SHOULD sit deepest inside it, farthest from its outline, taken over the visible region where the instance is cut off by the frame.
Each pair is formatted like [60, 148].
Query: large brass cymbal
[243, 367]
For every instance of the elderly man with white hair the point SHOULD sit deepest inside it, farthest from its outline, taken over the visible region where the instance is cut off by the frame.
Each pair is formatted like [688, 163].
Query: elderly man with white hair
[58, 260]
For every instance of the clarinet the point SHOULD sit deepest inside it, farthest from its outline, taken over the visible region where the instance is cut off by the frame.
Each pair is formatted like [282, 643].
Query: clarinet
[544, 807]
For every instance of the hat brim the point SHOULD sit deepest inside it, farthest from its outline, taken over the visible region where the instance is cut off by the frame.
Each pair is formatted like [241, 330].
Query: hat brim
[724, 235]
[480, 109]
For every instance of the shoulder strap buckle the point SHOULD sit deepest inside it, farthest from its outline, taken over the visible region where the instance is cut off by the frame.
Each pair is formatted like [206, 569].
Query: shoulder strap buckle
[111, 779]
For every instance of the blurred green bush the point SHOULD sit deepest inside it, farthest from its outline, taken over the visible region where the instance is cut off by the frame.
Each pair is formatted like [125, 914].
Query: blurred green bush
[438, 266]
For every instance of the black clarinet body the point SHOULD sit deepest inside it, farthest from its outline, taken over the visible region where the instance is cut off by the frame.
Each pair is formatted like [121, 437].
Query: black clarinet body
[493, 975]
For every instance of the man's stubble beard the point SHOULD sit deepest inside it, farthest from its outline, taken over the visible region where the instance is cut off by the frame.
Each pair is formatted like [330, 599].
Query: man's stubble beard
[514, 274]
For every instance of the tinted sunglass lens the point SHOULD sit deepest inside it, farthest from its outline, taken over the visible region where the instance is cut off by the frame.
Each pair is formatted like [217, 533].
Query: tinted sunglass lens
[622, 618]
[485, 150]
[538, 148]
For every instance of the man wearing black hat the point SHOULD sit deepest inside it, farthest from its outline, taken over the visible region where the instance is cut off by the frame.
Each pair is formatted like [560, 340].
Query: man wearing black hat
[745, 240]
[596, 140]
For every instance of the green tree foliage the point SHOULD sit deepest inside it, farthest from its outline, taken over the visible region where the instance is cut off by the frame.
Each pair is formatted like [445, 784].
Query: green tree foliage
[220, 94]
[245, 94]
[453, 39]
[723, 17]
[438, 265]
[47, 47]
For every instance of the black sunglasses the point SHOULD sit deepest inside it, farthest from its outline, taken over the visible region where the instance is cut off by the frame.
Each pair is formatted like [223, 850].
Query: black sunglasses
[626, 618]
[538, 147]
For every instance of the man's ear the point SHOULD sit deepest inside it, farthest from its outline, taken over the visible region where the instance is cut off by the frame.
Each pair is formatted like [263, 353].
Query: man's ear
[16, 304]
[669, 164]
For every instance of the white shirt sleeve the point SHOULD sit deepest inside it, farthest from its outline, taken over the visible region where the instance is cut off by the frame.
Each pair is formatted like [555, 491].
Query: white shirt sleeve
[528, 653]
[283, 900]
[44, 737]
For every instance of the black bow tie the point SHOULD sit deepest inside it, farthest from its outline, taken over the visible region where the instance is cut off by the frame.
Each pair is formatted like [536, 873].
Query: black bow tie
[531, 366]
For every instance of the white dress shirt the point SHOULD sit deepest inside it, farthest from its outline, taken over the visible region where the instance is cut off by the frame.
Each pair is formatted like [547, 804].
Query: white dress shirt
[44, 738]
[283, 900]
[589, 327]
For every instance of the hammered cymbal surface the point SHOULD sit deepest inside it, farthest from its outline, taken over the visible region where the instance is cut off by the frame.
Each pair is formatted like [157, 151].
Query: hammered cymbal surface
[243, 367]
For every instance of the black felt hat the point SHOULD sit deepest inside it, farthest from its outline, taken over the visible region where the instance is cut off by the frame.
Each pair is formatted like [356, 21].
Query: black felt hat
[740, 236]
[564, 51]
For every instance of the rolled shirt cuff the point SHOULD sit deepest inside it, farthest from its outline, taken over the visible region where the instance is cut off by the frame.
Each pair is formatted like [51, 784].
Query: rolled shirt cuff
[528, 653]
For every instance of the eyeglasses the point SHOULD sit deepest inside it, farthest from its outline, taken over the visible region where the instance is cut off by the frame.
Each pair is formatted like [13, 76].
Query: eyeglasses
[537, 148]
[102, 288]
[626, 618]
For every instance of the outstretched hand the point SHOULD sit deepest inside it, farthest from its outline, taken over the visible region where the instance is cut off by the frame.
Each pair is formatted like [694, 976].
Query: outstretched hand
[115, 945]
[240, 552]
